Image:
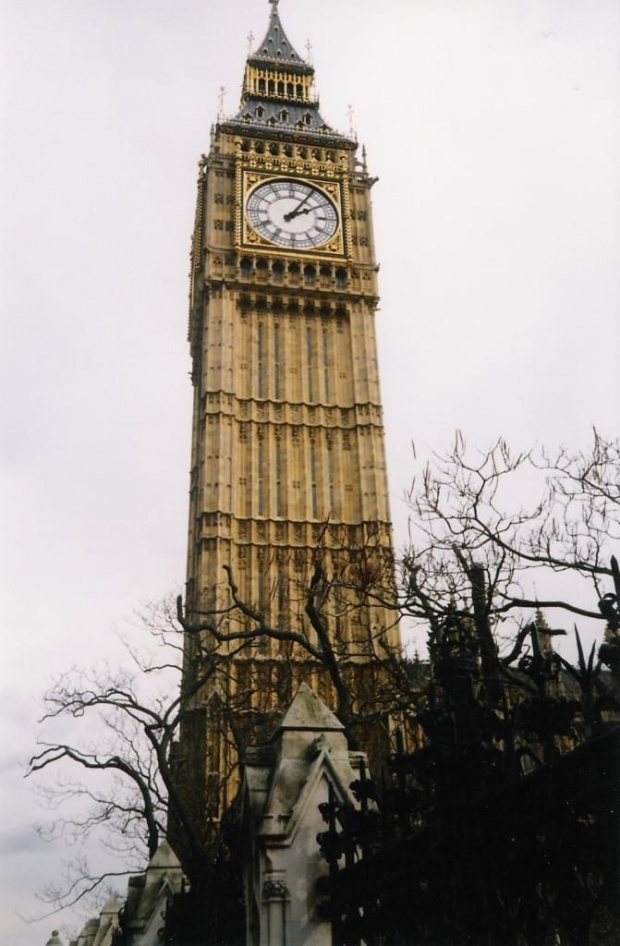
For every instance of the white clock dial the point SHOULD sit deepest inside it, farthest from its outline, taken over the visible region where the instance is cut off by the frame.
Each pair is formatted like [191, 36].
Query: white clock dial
[293, 214]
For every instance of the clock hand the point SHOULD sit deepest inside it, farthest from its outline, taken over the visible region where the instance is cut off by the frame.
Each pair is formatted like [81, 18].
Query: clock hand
[296, 212]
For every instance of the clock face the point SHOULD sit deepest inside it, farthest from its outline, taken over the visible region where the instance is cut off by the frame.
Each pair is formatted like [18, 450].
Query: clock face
[293, 214]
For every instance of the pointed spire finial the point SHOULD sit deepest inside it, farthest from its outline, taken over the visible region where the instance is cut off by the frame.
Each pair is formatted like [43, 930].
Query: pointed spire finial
[351, 114]
[309, 51]
[274, 4]
[250, 41]
[221, 99]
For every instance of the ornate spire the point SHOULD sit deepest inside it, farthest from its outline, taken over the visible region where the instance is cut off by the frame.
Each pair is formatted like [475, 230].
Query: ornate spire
[278, 89]
[276, 46]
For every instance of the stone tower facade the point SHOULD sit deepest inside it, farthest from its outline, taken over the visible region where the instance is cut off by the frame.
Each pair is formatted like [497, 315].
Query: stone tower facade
[288, 466]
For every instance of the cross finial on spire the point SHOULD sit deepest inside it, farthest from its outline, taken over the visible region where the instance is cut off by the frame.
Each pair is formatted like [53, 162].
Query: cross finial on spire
[221, 98]
[351, 114]
[309, 51]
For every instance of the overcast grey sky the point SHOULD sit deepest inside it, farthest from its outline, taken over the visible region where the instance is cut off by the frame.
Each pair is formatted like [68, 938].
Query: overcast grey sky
[494, 128]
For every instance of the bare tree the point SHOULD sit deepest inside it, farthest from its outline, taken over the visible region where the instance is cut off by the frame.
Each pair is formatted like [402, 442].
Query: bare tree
[125, 726]
[142, 786]
[478, 546]
[475, 550]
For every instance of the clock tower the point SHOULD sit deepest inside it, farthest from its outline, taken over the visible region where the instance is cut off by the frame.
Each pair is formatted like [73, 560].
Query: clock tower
[288, 464]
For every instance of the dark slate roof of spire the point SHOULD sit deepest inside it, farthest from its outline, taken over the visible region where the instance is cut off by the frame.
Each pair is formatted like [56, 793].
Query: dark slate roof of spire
[276, 46]
[287, 116]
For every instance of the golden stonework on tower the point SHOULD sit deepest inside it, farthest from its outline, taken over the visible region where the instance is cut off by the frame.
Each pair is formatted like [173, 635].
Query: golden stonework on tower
[288, 479]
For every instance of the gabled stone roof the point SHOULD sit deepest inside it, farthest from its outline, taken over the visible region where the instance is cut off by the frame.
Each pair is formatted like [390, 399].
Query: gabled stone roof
[307, 711]
[309, 746]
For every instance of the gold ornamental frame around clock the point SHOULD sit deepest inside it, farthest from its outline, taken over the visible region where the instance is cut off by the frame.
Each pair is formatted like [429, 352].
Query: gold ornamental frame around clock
[250, 239]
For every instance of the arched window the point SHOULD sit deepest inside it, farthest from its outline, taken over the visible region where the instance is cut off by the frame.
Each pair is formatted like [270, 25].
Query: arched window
[309, 274]
[246, 266]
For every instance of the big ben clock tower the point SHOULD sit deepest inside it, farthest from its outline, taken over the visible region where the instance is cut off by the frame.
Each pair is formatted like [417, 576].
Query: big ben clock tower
[288, 463]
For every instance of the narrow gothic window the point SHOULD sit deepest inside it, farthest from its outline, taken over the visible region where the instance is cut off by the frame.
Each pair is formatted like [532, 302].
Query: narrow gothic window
[278, 479]
[246, 266]
[341, 277]
[261, 360]
[262, 597]
[276, 362]
[309, 274]
[326, 364]
[281, 598]
[277, 271]
[313, 484]
[261, 478]
[310, 364]
[330, 477]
